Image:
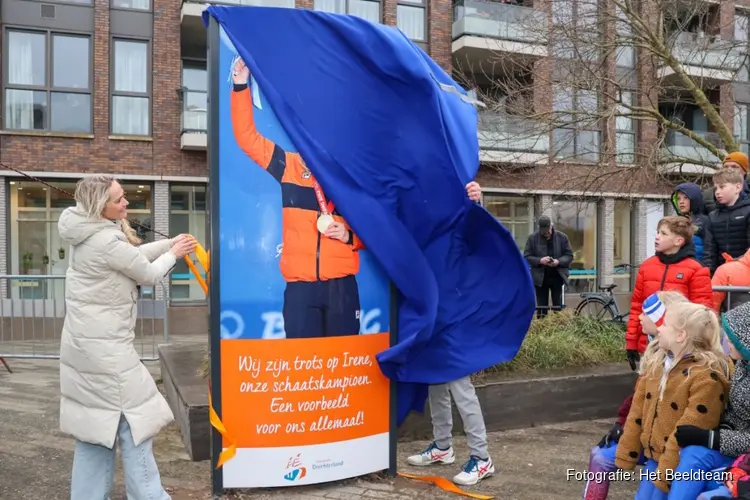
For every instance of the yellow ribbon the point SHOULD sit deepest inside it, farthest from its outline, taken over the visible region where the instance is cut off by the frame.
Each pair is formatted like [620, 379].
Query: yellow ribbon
[231, 449]
[446, 485]
[203, 258]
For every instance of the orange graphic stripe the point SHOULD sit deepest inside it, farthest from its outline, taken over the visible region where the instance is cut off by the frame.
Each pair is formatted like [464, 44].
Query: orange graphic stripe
[231, 448]
[446, 485]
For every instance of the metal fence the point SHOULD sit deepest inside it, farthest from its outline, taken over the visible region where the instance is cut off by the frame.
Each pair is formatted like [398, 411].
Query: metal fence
[735, 295]
[32, 311]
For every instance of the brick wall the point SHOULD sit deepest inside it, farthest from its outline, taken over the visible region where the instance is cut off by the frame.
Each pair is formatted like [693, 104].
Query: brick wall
[100, 152]
[440, 26]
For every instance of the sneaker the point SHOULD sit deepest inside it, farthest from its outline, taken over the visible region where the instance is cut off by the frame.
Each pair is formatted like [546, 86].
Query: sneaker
[474, 471]
[433, 455]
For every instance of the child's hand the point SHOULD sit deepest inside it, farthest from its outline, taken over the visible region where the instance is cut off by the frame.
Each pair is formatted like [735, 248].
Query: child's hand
[612, 436]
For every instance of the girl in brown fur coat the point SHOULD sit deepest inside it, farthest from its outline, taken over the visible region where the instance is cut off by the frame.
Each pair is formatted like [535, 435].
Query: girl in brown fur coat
[684, 380]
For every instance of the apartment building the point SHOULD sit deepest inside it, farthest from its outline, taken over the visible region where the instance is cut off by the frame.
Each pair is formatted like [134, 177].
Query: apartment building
[119, 86]
[604, 179]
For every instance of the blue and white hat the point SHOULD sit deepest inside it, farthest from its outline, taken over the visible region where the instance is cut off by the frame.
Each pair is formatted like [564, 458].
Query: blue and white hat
[654, 308]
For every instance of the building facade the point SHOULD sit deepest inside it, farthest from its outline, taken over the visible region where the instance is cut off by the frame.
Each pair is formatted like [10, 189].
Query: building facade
[120, 87]
[604, 179]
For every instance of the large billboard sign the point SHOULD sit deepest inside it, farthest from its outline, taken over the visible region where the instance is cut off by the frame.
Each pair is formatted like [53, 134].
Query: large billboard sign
[299, 309]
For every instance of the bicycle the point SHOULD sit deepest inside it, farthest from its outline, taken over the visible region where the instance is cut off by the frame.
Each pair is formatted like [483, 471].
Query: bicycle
[603, 302]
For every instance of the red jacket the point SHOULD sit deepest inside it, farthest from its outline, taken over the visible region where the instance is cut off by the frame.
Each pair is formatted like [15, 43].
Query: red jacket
[679, 272]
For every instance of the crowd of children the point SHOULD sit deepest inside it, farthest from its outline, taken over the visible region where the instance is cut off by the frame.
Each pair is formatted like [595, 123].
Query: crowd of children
[690, 409]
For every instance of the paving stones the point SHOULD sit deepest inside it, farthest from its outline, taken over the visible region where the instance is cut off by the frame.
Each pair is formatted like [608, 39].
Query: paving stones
[36, 459]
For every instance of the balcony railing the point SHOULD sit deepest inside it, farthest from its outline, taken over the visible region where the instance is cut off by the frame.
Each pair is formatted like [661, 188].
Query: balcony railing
[194, 111]
[707, 52]
[499, 20]
[680, 146]
[503, 132]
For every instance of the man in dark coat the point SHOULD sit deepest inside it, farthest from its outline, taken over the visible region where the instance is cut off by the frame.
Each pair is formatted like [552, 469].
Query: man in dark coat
[549, 255]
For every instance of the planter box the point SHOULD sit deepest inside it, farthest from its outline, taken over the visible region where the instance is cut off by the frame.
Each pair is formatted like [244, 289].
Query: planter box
[528, 401]
[511, 402]
[187, 395]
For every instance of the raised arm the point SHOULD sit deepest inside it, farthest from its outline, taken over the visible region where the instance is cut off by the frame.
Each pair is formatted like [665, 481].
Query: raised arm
[262, 151]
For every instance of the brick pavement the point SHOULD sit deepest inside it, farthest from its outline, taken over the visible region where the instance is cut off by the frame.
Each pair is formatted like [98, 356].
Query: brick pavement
[35, 459]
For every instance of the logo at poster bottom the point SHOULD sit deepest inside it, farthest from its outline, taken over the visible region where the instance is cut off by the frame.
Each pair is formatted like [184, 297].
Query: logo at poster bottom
[294, 468]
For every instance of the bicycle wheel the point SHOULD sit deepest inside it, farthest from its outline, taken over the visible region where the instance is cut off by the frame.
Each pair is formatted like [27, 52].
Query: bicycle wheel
[595, 308]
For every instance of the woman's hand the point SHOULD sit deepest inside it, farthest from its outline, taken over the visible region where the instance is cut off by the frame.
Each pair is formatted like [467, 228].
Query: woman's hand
[179, 238]
[183, 246]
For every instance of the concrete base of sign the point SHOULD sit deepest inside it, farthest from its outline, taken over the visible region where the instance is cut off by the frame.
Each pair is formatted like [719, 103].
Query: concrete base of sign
[187, 394]
[510, 401]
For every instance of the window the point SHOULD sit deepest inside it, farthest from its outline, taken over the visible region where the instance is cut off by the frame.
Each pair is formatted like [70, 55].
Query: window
[366, 9]
[625, 52]
[131, 83]
[194, 97]
[513, 212]
[578, 220]
[35, 245]
[622, 244]
[48, 82]
[187, 214]
[132, 4]
[575, 30]
[577, 136]
[741, 127]
[625, 130]
[411, 18]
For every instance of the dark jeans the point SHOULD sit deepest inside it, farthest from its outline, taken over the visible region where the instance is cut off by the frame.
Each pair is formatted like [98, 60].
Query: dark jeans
[321, 308]
[542, 298]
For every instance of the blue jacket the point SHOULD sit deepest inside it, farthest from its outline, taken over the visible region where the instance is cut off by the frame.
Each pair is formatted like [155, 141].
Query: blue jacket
[702, 237]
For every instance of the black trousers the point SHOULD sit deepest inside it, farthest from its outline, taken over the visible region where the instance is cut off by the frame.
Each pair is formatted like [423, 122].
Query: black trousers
[314, 309]
[542, 298]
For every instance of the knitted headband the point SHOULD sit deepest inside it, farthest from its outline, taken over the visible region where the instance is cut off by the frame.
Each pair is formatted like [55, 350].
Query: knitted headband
[654, 309]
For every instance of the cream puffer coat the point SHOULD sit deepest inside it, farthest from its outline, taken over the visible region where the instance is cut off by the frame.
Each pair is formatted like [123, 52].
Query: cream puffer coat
[101, 376]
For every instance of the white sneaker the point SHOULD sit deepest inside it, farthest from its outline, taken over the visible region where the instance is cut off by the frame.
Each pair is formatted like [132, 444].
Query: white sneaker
[433, 455]
[474, 471]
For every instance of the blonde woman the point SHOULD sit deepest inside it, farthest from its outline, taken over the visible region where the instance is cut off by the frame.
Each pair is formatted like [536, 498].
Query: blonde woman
[684, 379]
[108, 395]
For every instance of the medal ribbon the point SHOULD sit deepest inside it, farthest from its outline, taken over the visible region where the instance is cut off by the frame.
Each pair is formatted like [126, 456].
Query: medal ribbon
[325, 209]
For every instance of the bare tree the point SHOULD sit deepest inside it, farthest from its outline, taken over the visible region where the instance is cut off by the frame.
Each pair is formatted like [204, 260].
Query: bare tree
[583, 78]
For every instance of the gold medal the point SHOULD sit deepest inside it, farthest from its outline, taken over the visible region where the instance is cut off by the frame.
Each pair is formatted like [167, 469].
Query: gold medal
[324, 220]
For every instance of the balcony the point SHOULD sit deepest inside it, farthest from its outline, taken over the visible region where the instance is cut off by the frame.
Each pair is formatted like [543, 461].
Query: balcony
[506, 138]
[481, 28]
[190, 15]
[690, 157]
[194, 120]
[706, 58]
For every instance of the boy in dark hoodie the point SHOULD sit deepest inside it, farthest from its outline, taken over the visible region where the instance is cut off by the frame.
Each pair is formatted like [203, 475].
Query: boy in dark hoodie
[687, 200]
[730, 222]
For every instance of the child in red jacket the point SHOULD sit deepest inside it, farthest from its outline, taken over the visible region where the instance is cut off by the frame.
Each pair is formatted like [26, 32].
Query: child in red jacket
[674, 267]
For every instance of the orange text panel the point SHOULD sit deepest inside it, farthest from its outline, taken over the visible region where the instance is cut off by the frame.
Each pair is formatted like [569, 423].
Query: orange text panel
[296, 392]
